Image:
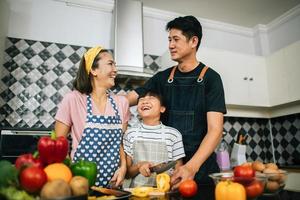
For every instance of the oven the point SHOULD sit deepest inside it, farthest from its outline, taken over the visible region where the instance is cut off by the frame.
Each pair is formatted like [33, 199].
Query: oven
[14, 142]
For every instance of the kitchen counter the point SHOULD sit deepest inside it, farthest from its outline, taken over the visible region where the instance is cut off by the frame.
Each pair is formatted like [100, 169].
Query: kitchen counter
[207, 193]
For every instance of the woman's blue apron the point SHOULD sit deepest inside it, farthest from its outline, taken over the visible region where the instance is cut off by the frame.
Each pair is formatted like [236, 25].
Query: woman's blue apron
[101, 142]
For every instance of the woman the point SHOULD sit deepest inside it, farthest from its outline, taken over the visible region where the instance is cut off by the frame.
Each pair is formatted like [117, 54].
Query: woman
[95, 118]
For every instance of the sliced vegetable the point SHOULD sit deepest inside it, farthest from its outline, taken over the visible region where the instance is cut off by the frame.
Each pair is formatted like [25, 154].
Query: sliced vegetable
[163, 182]
[52, 149]
[141, 191]
[86, 169]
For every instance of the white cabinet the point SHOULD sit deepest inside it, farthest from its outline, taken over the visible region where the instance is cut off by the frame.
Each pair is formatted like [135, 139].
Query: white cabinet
[283, 70]
[244, 76]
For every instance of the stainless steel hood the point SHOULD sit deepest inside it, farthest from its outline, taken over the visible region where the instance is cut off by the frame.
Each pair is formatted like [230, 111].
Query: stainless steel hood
[128, 38]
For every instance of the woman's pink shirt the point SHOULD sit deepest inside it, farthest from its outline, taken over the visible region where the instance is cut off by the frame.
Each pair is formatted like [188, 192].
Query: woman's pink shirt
[72, 111]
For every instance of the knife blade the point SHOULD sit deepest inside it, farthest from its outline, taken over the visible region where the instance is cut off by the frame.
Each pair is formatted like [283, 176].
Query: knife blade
[162, 167]
[115, 192]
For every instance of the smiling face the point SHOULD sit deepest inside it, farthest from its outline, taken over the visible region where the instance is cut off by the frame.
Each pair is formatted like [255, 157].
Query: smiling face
[180, 46]
[106, 72]
[149, 107]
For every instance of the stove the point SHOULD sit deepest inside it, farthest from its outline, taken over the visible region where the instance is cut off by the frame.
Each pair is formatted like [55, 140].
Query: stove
[14, 142]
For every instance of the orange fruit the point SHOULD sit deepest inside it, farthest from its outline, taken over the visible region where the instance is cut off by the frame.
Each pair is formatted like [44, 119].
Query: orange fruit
[58, 171]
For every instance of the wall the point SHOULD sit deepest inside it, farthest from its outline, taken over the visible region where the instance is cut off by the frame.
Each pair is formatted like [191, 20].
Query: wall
[4, 20]
[35, 19]
[88, 26]
[284, 30]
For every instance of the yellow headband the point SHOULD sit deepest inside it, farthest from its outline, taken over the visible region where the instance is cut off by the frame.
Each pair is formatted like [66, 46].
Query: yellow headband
[90, 56]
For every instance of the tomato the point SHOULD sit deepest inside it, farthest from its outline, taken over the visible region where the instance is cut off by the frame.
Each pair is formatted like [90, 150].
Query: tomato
[244, 171]
[254, 189]
[28, 160]
[32, 179]
[188, 188]
[243, 174]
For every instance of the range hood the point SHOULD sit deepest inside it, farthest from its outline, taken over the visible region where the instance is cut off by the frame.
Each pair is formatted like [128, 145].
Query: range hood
[128, 38]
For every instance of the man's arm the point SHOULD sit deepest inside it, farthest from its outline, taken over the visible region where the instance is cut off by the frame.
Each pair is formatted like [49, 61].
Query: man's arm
[132, 98]
[210, 141]
[206, 148]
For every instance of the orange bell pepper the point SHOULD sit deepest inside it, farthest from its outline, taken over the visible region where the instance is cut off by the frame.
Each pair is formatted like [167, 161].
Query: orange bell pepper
[228, 190]
[163, 182]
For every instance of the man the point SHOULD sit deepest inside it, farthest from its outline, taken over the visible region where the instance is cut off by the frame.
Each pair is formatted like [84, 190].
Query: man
[194, 99]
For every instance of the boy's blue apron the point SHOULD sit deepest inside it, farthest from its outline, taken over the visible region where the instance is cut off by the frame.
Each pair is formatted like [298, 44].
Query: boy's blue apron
[101, 142]
[185, 102]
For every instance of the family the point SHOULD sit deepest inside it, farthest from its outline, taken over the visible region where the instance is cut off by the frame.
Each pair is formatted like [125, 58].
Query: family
[181, 110]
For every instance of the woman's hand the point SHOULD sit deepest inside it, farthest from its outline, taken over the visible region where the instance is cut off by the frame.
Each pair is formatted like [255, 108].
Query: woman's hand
[183, 172]
[119, 177]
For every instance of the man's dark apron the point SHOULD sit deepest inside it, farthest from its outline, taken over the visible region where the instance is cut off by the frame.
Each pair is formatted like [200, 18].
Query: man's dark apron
[185, 101]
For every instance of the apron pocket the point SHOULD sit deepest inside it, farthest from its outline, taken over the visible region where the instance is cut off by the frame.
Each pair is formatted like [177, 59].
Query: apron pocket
[183, 121]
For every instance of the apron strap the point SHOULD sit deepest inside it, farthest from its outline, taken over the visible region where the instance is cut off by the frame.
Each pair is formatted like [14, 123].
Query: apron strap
[202, 73]
[200, 77]
[171, 76]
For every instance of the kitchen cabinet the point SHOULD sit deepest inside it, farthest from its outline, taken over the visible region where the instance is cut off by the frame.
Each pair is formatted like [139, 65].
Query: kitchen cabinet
[243, 76]
[283, 75]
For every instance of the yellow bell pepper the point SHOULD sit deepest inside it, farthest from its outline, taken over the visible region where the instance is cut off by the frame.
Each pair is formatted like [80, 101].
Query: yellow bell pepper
[163, 182]
[141, 191]
[228, 190]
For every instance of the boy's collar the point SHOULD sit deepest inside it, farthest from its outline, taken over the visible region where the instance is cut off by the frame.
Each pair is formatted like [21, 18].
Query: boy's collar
[152, 127]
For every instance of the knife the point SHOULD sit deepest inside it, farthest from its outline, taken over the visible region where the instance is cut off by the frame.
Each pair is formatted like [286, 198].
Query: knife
[161, 167]
[117, 193]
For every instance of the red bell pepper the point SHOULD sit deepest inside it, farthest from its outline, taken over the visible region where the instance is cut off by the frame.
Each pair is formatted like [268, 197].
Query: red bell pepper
[28, 160]
[52, 149]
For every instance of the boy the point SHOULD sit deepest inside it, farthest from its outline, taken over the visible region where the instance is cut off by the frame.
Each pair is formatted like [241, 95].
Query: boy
[150, 142]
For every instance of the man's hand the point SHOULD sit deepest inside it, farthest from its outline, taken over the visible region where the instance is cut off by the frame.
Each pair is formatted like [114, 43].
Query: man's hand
[183, 172]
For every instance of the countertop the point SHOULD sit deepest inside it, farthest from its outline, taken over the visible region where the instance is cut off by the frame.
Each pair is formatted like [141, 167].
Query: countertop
[207, 193]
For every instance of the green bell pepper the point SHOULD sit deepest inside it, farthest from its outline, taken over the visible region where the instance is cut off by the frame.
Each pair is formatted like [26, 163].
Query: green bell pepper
[86, 169]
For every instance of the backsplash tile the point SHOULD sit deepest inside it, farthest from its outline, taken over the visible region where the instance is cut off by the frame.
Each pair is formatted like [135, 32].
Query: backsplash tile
[258, 141]
[34, 78]
[286, 139]
[36, 75]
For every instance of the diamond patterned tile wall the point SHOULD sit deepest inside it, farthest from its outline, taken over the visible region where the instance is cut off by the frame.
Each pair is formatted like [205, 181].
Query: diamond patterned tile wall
[258, 142]
[34, 78]
[286, 139]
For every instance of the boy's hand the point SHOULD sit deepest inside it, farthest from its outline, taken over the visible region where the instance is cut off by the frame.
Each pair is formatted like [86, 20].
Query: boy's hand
[144, 168]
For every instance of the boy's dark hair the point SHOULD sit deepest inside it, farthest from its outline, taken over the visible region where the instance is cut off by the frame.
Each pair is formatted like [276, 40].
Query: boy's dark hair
[189, 25]
[154, 94]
